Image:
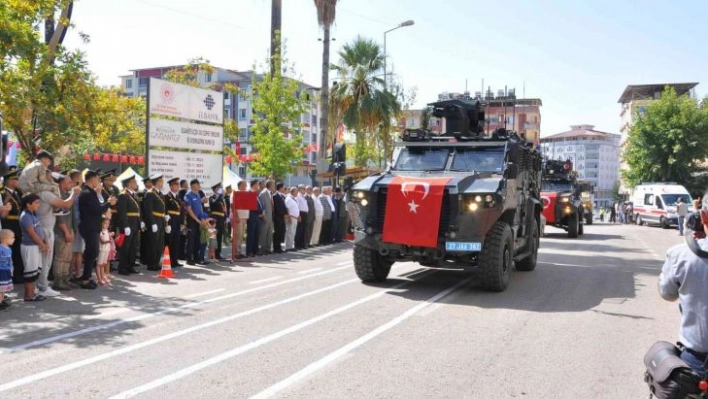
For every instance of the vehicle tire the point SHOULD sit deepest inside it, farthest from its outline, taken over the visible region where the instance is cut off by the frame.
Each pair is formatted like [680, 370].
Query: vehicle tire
[581, 229]
[573, 225]
[662, 223]
[588, 219]
[529, 263]
[369, 265]
[496, 258]
[639, 220]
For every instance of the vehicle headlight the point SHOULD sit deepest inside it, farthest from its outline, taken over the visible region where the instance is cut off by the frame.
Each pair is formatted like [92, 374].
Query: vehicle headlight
[360, 197]
[565, 199]
[473, 202]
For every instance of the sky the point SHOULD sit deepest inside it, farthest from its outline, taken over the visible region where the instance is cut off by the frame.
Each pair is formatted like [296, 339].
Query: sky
[576, 56]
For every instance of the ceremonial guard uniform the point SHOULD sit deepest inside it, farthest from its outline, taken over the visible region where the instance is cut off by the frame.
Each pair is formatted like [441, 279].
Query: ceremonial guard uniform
[109, 190]
[175, 222]
[129, 224]
[12, 222]
[142, 243]
[217, 207]
[154, 211]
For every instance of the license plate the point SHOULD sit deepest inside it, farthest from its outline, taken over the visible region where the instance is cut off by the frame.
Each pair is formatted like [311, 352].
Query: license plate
[463, 246]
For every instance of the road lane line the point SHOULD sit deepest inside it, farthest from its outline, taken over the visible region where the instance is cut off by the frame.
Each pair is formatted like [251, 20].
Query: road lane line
[134, 347]
[265, 280]
[319, 364]
[309, 270]
[100, 327]
[176, 375]
[204, 293]
[348, 263]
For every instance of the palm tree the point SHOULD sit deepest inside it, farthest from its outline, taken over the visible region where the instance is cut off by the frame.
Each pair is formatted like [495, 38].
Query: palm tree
[362, 102]
[326, 13]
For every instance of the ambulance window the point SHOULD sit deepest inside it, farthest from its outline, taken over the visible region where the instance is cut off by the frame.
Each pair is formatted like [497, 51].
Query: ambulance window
[649, 199]
[658, 203]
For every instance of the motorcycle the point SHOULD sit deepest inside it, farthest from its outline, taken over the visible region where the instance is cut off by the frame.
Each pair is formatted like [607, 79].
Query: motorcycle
[670, 377]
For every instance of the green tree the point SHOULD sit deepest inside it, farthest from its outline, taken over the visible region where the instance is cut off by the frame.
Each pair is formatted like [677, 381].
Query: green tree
[277, 109]
[326, 14]
[425, 115]
[667, 142]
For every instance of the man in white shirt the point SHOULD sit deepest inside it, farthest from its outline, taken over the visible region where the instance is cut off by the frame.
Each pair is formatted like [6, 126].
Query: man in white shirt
[681, 211]
[291, 221]
[319, 212]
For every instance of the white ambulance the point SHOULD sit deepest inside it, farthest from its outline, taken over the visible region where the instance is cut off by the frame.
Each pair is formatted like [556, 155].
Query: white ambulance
[655, 203]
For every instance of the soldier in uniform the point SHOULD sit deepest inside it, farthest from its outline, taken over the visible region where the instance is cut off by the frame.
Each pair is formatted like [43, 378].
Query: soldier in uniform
[108, 189]
[142, 243]
[217, 207]
[154, 206]
[175, 220]
[128, 224]
[11, 196]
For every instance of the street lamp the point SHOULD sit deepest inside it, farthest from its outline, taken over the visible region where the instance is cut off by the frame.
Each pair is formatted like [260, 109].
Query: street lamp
[401, 25]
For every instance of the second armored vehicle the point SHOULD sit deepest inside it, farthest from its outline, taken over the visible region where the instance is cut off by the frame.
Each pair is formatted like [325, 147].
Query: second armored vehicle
[562, 203]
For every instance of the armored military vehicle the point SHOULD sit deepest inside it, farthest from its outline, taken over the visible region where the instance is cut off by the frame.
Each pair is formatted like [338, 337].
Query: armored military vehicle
[460, 198]
[561, 196]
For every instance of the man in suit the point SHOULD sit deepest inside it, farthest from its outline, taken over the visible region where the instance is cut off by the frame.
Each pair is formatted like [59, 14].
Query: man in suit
[279, 215]
[129, 224]
[310, 219]
[217, 209]
[253, 224]
[154, 216]
[92, 210]
[174, 222]
[266, 222]
[11, 220]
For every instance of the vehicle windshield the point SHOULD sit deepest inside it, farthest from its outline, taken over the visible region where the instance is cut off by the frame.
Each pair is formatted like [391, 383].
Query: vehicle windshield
[479, 159]
[557, 185]
[422, 159]
[672, 199]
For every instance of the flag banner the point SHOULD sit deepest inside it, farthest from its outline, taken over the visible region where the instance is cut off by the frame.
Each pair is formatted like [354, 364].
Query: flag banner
[247, 200]
[413, 211]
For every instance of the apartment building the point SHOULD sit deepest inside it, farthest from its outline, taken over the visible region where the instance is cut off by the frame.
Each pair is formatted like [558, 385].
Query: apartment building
[239, 108]
[595, 156]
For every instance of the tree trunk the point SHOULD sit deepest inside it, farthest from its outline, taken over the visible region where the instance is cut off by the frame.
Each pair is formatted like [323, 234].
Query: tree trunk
[324, 101]
[276, 14]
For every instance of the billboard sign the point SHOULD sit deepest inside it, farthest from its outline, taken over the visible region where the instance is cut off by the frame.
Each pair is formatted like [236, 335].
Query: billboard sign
[185, 102]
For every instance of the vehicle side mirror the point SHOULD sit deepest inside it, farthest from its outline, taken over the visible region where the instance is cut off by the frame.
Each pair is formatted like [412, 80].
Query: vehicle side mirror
[511, 171]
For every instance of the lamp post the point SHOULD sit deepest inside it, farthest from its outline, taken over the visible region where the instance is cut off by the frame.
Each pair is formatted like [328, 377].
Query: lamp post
[401, 25]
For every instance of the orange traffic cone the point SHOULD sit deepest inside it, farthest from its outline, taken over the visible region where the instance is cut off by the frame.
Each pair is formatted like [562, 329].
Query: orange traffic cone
[166, 271]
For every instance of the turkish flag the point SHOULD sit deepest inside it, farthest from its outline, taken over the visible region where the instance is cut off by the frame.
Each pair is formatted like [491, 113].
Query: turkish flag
[413, 211]
[548, 200]
[245, 200]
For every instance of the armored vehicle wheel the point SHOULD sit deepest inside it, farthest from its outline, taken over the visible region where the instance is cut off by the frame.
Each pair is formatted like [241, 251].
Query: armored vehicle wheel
[573, 226]
[496, 258]
[581, 229]
[369, 265]
[588, 219]
[529, 263]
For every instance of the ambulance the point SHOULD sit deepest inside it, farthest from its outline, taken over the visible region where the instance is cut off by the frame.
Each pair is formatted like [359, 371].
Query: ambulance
[655, 203]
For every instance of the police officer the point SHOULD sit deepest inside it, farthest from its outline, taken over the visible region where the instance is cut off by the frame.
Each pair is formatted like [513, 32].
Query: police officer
[154, 211]
[175, 220]
[128, 224]
[217, 207]
[109, 189]
[11, 195]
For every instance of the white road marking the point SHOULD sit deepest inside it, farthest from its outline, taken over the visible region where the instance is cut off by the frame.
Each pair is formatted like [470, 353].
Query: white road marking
[108, 313]
[309, 270]
[203, 293]
[348, 263]
[161, 312]
[81, 363]
[273, 389]
[66, 298]
[265, 280]
[176, 375]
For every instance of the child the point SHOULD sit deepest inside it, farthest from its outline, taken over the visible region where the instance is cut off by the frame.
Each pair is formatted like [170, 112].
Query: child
[36, 177]
[212, 239]
[102, 266]
[33, 244]
[7, 238]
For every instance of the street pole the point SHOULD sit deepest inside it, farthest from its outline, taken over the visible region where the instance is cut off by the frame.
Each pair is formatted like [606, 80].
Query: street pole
[401, 25]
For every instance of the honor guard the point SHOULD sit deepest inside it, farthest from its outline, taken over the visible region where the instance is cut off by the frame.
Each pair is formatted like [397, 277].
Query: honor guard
[175, 219]
[128, 224]
[12, 197]
[154, 206]
[142, 244]
[109, 189]
[217, 207]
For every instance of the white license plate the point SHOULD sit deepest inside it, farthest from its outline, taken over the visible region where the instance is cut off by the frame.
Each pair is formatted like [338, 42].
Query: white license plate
[463, 246]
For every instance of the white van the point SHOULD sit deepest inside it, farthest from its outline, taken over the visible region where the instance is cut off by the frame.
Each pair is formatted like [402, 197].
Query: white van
[655, 203]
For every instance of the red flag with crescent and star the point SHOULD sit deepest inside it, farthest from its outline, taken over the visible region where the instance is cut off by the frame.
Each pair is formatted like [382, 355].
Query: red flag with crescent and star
[413, 211]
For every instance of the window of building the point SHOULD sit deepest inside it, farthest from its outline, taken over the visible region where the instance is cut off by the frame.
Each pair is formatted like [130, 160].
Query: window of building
[314, 137]
[226, 95]
[207, 77]
[242, 114]
[143, 83]
[129, 83]
[314, 120]
[228, 113]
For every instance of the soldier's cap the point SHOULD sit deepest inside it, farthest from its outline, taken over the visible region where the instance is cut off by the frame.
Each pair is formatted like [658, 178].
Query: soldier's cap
[70, 172]
[15, 174]
[174, 180]
[127, 180]
[155, 177]
[215, 186]
[58, 177]
[146, 179]
[12, 168]
[98, 171]
[90, 174]
[110, 173]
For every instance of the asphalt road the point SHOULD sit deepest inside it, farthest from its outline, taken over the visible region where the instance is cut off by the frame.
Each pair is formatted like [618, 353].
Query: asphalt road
[303, 326]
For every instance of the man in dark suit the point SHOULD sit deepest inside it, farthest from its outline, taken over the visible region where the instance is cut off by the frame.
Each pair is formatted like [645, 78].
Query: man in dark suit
[279, 213]
[91, 210]
[174, 223]
[253, 223]
[154, 216]
[217, 210]
[128, 224]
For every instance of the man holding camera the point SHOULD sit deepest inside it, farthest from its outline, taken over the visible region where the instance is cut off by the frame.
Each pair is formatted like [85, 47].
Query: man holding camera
[684, 276]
